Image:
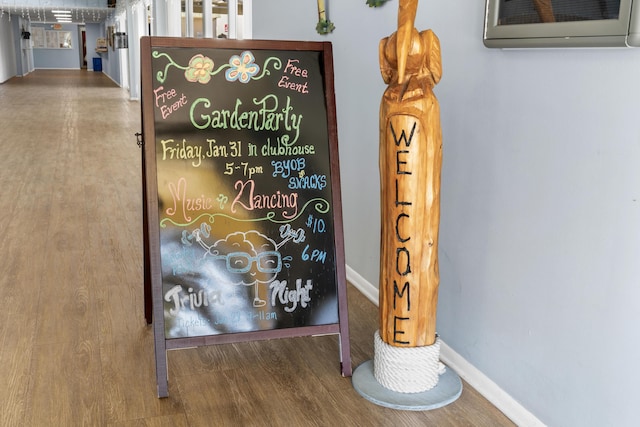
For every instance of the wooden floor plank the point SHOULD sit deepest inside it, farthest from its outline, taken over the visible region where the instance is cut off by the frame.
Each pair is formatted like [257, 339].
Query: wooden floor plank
[129, 388]
[15, 371]
[164, 421]
[65, 384]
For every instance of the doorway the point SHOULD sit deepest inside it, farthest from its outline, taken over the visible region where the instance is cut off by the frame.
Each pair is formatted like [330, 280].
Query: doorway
[82, 35]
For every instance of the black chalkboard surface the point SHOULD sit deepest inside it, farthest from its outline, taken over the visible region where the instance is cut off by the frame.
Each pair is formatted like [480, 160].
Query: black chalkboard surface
[242, 193]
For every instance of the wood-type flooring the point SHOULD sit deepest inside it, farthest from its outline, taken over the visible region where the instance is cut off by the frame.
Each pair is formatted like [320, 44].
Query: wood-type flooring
[75, 349]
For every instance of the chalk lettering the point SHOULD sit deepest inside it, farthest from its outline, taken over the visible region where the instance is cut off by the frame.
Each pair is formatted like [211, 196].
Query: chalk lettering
[312, 182]
[215, 150]
[247, 316]
[290, 298]
[247, 199]
[172, 150]
[193, 322]
[161, 97]
[296, 87]
[186, 204]
[167, 110]
[292, 68]
[268, 116]
[283, 148]
[190, 299]
[284, 168]
[316, 255]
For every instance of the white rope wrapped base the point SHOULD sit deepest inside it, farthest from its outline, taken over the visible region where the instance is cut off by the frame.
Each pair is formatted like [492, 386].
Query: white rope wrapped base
[407, 369]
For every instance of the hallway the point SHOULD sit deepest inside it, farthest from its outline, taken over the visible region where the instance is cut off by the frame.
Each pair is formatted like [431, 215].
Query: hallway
[74, 345]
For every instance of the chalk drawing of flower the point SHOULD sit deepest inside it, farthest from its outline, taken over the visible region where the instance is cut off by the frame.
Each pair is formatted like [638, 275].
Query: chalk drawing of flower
[242, 68]
[199, 69]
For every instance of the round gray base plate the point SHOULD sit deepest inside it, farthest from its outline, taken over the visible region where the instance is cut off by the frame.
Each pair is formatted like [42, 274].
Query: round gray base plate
[447, 390]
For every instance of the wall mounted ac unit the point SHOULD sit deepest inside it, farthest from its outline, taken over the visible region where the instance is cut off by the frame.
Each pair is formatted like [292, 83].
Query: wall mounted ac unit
[562, 23]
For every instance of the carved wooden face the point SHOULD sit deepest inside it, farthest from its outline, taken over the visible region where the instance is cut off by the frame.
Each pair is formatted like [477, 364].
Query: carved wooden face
[423, 57]
[416, 53]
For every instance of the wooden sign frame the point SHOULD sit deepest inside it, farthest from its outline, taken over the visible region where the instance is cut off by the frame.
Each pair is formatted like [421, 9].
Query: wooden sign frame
[291, 76]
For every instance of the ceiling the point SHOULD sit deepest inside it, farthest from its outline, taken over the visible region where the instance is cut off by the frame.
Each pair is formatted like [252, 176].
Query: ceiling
[95, 15]
[77, 15]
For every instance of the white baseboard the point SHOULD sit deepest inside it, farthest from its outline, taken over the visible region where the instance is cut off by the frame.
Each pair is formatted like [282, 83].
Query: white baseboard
[365, 287]
[487, 388]
[112, 79]
[476, 379]
[57, 68]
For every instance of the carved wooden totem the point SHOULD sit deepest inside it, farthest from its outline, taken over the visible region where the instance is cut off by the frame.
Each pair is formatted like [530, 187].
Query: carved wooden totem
[410, 164]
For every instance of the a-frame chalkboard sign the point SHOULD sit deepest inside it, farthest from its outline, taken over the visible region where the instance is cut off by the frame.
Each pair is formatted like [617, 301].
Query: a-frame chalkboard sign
[243, 222]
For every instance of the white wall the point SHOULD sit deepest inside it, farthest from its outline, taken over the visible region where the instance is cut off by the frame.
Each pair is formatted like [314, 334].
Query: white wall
[44, 58]
[136, 28]
[93, 32]
[22, 47]
[7, 49]
[540, 228]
